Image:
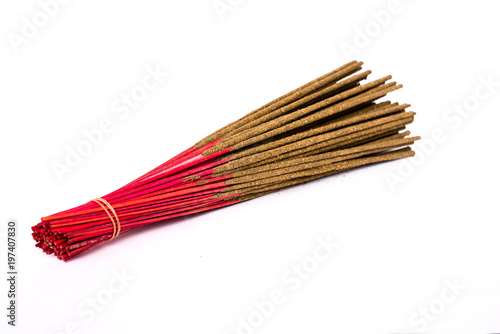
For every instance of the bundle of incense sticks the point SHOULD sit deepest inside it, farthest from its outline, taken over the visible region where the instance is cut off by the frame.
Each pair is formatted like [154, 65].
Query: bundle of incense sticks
[327, 126]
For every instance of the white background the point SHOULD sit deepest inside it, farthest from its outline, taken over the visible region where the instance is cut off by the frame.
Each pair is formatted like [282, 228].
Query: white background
[400, 246]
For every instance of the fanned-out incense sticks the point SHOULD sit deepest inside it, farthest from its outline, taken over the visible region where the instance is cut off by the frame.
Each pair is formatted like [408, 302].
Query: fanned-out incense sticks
[327, 126]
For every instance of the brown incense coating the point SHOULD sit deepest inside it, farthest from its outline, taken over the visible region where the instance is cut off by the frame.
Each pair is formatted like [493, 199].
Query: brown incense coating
[280, 121]
[292, 136]
[346, 100]
[253, 192]
[328, 112]
[356, 112]
[354, 139]
[337, 88]
[346, 157]
[343, 165]
[298, 138]
[399, 135]
[365, 114]
[256, 191]
[280, 181]
[325, 111]
[308, 88]
[307, 162]
[312, 164]
[336, 143]
[379, 135]
[317, 84]
[362, 137]
[359, 110]
[371, 136]
[316, 141]
[304, 167]
[341, 145]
